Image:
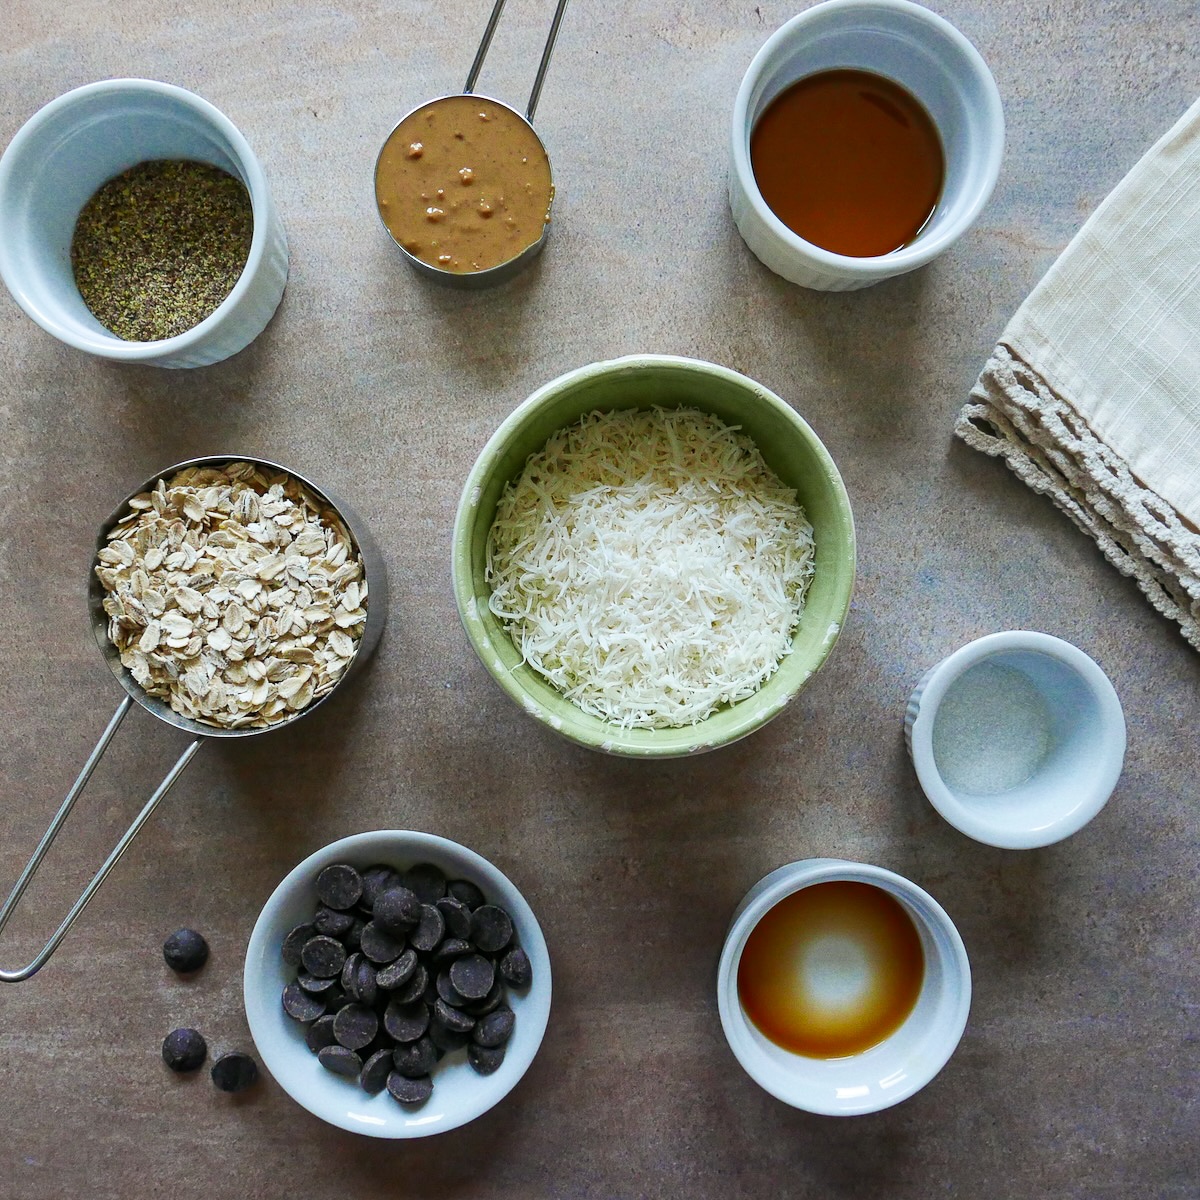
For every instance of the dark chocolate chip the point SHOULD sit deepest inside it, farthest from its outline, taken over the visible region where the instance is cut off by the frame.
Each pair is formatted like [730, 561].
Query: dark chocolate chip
[452, 1018]
[184, 1049]
[339, 1060]
[339, 886]
[398, 972]
[335, 999]
[294, 943]
[352, 938]
[516, 969]
[348, 969]
[397, 910]
[491, 928]
[320, 1033]
[299, 1005]
[379, 944]
[495, 1029]
[485, 1059]
[406, 1022]
[314, 984]
[409, 1091]
[364, 987]
[375, 1071]
[430, 929]
[355, 1026]
[185, 951]
[447, 1040]
[448, 992]
[322, 955]
[375, 881]
[330, 921]
[472, 976]
[234, 1072]
[466, 891]
[415, 1059]
[414, 989]
[426, 882]
[457, 917]
[493, 1000]
[450, 949]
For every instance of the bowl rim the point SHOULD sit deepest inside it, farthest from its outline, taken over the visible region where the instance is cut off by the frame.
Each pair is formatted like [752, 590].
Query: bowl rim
[265, 1016]
[1110, 741]
[106, 344]
[608, 738]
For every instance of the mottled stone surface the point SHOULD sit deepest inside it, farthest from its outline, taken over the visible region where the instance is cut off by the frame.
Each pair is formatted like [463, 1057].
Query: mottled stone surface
[1077, 1076]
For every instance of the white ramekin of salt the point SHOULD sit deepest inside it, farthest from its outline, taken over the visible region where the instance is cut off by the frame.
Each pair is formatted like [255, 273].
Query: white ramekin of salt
[1017, 738]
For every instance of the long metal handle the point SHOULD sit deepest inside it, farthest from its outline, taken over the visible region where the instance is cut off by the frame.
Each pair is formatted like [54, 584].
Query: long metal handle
[485, 44]
[14, 897]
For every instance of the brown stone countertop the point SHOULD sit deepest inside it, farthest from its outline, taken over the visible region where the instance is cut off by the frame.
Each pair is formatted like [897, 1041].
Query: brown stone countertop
[1077, 1075]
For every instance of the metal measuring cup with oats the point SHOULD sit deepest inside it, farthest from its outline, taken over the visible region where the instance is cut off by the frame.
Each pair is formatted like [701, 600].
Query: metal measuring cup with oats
[233, 594]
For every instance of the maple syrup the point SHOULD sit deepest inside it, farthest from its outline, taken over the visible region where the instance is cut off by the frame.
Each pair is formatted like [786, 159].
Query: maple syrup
[850, 161]
[832, 969]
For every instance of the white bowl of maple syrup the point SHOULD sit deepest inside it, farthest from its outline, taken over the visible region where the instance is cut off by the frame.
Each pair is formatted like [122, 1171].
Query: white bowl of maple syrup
[843, 988]
[866, 139]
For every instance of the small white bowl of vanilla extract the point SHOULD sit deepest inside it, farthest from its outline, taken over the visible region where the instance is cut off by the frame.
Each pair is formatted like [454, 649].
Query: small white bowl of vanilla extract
[866, 138]
[843, 988]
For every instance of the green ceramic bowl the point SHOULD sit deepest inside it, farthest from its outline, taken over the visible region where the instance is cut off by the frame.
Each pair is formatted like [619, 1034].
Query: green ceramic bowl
[792, 451]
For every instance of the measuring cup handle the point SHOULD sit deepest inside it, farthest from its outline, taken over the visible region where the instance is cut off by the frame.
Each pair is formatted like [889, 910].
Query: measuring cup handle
[51, 833]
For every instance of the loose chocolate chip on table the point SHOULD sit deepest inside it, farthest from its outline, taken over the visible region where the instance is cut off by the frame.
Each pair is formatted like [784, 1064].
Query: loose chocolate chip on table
[381, 945]
[426, 882]
[491, 928]
[430, 929]
[485, 1059]
[397, 910]
[339, 1060]
[320, 1033]
[330, 921]
[466, 891]
[323, 955]
[339, 886]
[294, 943]
[314, 984]
[355, 1026]
[185, 951]
[472, 976]
[406, 1022]
[409, 1091]
[457, 917]
[301, 1006]
[416, 1059]
[452, 1018]
[414, 989]
[398, 972]
[184, 1049]
[495, 1029]
[450, 949]
[234, 1072]
[375, 1071]
[515, 968]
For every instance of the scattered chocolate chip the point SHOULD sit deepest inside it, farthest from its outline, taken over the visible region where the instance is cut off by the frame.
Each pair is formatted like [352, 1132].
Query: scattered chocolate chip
[452, 1018]
[323, 956]
[457, 917]
[485, 1059]
[375, 1071]
[409, 1091]
[495, 1029]
[340, 1060]
[406, 1022]
[516, 969]
[320, 1033]
[397, 910]
[491, 928]
[185, 951]
[355, 1026]
[339, 886]
[234, 1072]
[426, 882]
[381, 945]
[331, 922]
[398, 972]
[294, 943]
[465, 891]
[416, 1059]
[429, 931]
[472, 976]
[300, 1005]
[184, 1049]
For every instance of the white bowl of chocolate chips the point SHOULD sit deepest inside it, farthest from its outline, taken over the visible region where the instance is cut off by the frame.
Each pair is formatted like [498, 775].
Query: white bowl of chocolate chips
[397, 984]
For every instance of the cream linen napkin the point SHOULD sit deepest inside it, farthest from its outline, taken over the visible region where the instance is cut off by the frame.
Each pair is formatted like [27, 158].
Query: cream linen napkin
[1092, 394]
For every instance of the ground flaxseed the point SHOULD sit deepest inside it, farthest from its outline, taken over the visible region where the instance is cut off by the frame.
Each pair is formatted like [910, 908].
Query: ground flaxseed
[157, 248]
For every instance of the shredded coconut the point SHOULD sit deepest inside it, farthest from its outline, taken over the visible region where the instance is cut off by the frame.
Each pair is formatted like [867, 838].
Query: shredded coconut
[650, 565]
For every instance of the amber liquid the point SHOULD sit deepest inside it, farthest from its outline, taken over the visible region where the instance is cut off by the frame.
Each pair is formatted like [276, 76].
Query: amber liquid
[850, 161]
[832, 969]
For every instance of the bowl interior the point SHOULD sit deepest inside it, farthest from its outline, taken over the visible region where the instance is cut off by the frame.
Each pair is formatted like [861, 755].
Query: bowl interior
[789, 447]
[459, 1093]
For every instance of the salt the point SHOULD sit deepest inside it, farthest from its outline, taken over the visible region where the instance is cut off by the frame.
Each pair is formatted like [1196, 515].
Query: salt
[992, 730]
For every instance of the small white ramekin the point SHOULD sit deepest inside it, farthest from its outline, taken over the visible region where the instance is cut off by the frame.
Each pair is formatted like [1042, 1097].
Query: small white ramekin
[886, 1073]
[1085, 742]
[76, 143]
[923, 53]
